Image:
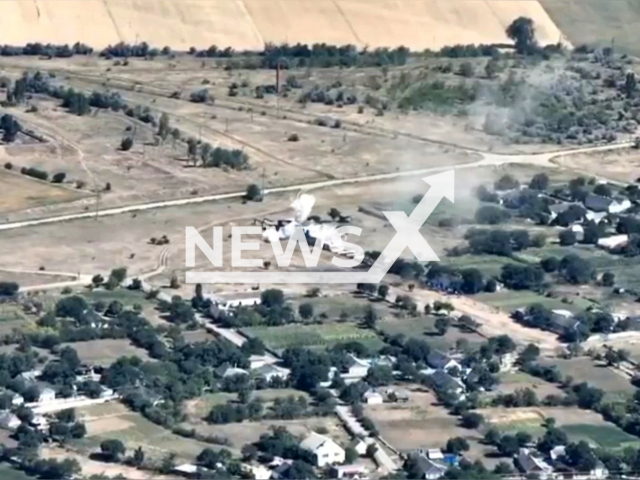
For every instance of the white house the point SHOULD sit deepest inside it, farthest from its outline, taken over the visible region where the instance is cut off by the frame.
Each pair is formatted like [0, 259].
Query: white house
[47, 395]
[257, 361]
[9, 421]
[429, 469]
[40, 422]
[228, 371]
[325, 451]
[358, 369]
[530, 463]
[371, 397]
[30, 376]
[270, 371]
[441, 361]
[613, 241]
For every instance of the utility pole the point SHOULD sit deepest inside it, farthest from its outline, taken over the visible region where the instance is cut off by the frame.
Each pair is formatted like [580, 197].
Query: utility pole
[97, 202]
[262, 183]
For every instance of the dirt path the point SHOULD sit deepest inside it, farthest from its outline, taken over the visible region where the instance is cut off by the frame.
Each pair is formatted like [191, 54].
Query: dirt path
[492, 321]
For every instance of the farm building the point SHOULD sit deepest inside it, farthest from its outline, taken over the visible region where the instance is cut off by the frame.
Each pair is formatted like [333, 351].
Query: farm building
[325, 451]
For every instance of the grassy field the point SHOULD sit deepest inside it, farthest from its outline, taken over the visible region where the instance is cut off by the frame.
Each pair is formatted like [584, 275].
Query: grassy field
[511, 381]
[200, 407]
[583, 369]
[127, 297]
[331, 307]
[509, 300]
[625, 268]
[9, 473]
[114, 421]
[324, 335]
[487, 264]
[424, 328]
[105, 352]
[12, 316]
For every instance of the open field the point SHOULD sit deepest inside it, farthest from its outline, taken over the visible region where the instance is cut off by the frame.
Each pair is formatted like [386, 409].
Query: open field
[424, 328]
[182, 24]
[615, 385]
[105, 352]
[240, 434]
[324, 336]
[12, 316]
[20, 192]
[578, 424]
[512, 381]
[597, 23]
[113, 420]
[509, 301]
[329, 308]
[198, 408]
[421, 423]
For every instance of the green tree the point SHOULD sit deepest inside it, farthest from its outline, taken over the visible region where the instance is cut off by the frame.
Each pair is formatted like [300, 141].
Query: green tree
[164, 129]
[442, 325]
[112, 449]
[305, 310]
[138, 457]
[383, 291]
[608, 279]
[457, 445]
[126, 143]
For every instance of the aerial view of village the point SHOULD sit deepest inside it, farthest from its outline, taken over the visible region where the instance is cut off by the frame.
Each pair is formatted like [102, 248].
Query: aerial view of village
[300, 239]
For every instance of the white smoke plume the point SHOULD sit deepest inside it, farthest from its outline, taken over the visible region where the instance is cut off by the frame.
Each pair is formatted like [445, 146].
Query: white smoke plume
[302, 207]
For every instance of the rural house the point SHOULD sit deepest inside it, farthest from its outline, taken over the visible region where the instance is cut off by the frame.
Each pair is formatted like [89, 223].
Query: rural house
[443, 381]
[9, 421]
[229, 371]
[429, 469]
[47, 395]
[270, 371]
[441, 361]
[325, 451]
[348, 471]
[530, 463]
[597, 203]
[614, 241]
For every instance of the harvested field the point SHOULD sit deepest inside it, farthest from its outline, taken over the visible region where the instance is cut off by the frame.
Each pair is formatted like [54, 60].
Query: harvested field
[20, 192]
[105, 352]
[323, 336]
[182, 24]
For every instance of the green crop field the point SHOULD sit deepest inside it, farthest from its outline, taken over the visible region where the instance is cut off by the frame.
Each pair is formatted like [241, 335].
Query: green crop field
[325, 335]
[606, 436]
